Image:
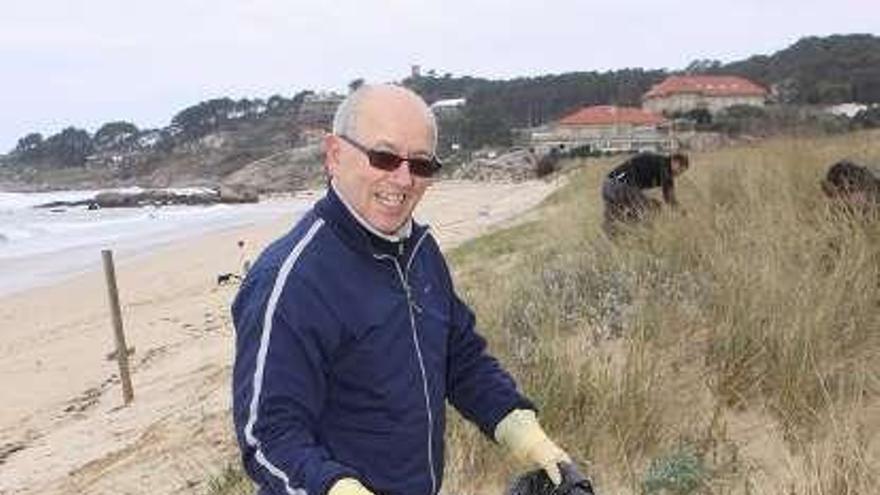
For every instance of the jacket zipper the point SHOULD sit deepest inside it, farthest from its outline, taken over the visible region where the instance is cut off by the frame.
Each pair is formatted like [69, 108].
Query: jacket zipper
[413, 307]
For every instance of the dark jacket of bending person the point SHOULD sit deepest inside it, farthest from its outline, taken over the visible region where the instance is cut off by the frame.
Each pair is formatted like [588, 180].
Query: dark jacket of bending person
[622, 189]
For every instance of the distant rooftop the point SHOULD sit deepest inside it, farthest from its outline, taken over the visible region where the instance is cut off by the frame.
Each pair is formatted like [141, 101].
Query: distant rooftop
[608, 114]
[706, 86]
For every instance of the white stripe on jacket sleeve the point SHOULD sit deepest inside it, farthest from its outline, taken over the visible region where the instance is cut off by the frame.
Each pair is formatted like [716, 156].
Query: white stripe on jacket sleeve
[277, 288]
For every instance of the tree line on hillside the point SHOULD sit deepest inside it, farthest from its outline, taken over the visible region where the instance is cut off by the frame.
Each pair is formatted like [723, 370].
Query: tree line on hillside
[495, 108]
[814, 70]
[72, 146]
[829, 70]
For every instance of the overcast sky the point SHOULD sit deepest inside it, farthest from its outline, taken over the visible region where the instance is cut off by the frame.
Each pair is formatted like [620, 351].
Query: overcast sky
[83, 63]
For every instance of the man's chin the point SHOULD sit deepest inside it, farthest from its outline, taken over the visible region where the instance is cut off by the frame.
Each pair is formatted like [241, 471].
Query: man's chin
[388, 223]
[387, 226]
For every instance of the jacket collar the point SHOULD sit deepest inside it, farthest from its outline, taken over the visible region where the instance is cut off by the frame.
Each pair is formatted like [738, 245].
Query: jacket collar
[355, 232]
[402, 233]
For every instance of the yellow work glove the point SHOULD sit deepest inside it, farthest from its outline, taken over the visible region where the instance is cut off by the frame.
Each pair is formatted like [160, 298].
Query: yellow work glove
[348, 486]
[520, 432]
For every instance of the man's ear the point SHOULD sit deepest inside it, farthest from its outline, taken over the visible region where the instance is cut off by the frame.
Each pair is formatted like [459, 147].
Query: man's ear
[331, 154]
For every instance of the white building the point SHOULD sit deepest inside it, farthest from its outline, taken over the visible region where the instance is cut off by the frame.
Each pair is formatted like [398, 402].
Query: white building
[712, 93]
[605, 128]
[848, 110]
[449, 107]
[317, 109]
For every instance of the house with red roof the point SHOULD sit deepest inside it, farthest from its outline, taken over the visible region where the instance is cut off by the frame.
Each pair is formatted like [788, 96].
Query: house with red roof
[605, 128]
[711, 93]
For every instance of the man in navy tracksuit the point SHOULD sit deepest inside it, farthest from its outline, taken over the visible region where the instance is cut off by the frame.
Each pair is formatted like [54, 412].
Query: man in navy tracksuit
[350, 336]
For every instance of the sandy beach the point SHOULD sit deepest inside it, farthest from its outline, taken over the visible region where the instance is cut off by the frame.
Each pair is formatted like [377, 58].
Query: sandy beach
[63, 428]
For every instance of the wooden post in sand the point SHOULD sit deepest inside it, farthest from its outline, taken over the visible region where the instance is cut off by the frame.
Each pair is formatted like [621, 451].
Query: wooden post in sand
[121, 348]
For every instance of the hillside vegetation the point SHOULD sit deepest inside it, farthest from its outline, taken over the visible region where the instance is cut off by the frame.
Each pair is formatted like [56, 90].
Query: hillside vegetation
[812, 71]
[831, 69]
[730, 349]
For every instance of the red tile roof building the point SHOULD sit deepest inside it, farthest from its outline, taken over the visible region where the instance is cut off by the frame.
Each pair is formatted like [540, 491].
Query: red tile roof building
[605, 128]
[604, 115]
[713, 93]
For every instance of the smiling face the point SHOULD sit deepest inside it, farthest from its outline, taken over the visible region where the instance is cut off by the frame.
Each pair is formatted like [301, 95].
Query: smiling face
[389, 119]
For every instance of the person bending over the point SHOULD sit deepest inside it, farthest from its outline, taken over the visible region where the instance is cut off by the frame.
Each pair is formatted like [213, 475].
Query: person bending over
[622, 190]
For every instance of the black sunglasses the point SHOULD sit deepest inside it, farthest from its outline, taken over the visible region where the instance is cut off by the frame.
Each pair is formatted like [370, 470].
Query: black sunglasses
[385, 160]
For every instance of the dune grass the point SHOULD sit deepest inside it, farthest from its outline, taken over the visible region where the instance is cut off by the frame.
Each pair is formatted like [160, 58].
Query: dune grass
[731, 348]
[734, 343]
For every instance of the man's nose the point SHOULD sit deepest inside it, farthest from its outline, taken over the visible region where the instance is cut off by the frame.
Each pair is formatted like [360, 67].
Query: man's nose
[402, 174]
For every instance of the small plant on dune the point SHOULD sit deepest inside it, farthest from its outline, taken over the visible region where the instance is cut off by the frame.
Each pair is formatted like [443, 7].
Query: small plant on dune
[678, 473]
[231, 481]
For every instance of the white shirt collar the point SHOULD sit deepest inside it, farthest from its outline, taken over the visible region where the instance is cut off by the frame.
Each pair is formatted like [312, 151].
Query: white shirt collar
[402, 233]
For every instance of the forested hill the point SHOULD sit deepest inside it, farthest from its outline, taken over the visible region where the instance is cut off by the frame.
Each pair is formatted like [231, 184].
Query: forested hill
[834, 69]
[214, 140]
[494, 107]
[814, 70]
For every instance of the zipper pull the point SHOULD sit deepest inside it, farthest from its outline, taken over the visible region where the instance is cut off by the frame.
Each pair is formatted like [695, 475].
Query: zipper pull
[409, 297]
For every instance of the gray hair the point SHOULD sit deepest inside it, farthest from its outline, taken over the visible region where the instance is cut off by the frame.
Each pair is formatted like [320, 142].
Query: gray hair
[345, 119]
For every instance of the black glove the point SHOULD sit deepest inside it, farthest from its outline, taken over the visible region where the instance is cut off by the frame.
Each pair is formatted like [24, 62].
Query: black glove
[573, 481]
[538, 483]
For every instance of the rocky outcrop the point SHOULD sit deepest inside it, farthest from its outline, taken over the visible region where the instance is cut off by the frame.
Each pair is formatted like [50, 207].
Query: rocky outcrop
[155, 197]
[517, 165]
[237, 194]
[162, 197]
[288, 170]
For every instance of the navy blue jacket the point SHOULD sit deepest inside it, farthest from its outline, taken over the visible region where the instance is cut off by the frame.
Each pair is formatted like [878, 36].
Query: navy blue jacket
[347, 347]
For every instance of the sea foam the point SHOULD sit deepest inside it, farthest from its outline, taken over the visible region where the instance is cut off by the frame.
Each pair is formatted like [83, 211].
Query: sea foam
[39, 245]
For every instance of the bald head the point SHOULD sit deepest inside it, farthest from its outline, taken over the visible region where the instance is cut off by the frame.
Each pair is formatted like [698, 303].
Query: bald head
[385, 100]
[377, 121]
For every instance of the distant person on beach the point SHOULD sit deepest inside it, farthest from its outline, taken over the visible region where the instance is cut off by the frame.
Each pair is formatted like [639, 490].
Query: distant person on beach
[622, 190]
[350, 337]
[244, 260]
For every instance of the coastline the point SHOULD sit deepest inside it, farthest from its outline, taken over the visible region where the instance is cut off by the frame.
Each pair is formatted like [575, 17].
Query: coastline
[44, 247]
[63, 430]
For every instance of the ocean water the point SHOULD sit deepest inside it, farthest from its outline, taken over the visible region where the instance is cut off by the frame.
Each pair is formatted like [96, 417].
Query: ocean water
[39, 246]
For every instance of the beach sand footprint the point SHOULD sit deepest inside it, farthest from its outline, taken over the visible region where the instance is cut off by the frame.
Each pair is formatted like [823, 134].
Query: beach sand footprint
[152, 354]
[7, 449]
[85, 400]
